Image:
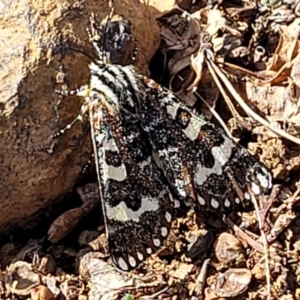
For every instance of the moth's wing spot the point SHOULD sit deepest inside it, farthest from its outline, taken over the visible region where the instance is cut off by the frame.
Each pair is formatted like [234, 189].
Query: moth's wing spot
[176, 203]
[171, 197]
[168, 217]
[132, 261]
[122, 264]
[214, 203]
[227, 203]
[112, 166]
[156, 242]
[237, 200]
[223, 152]
[201, 200]
[247, 196]
[255, 188]
[264, 179]
[149, 250]
[164, 231]
[140, 256]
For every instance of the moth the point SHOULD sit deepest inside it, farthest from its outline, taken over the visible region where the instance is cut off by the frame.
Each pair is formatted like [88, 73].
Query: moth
[201, 163]
[137, 203]
[149, 147]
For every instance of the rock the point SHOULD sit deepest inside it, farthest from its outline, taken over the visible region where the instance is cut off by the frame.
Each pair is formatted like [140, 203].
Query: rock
[36, 41]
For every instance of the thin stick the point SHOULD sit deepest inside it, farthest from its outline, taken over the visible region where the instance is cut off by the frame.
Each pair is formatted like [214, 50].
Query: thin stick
[265, 244]
[221, 89]
[213, 112]
[200, 281]
[247, 109]
[216, 115]
[226, 97]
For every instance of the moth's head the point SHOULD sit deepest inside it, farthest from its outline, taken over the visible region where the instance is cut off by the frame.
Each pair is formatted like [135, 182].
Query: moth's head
[113, 41]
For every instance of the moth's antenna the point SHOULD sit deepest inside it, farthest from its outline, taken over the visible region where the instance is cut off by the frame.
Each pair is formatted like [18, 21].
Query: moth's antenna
[111, 4]
[84, 53]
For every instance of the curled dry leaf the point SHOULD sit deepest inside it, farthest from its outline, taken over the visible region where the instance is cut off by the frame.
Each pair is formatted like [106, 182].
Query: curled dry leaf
[275, 92]
[230, 284]
[281, 223]
[31, 248]
[283, 216]
[65, 223]
[286, 50]
[180, 41]
[108, 283]
[20, 278]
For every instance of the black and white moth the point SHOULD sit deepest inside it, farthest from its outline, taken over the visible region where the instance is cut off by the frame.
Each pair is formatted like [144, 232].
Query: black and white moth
[137, 203]
[144, 136]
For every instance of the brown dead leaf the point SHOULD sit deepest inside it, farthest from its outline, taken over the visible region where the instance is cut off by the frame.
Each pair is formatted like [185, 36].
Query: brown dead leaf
[287, 49]
[20, 278]
[281, 223]
[65, 223]
[295, 71]
[230, 284]
[216, 21]
[228, 249]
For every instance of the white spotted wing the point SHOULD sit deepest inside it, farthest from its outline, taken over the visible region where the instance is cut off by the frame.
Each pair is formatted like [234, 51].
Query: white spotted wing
[137, 204]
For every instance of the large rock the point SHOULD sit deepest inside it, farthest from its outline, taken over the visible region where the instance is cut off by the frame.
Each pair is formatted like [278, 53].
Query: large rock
[36, 37]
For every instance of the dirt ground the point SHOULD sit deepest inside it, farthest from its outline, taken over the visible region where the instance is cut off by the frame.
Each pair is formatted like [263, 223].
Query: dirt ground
[236, 62]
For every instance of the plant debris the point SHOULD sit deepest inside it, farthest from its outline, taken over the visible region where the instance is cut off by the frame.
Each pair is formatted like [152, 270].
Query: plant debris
[238, 62]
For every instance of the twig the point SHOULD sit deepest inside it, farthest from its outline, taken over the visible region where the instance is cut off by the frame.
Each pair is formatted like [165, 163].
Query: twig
[269, 203]
[220, 87]
[154, 295]
[238, 68]
[200, 281]
[225, 96]
[265, 244]
[215, 114]
[246, 108]
[212, 111]
[242, 235]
